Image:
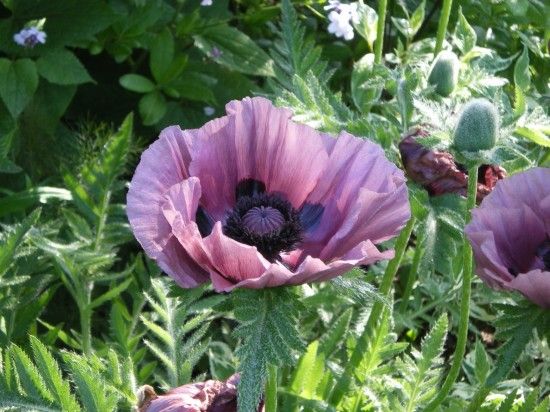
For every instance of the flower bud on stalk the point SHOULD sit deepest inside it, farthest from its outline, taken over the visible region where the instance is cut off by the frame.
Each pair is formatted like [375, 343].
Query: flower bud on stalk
[477, 127]
[444, 73]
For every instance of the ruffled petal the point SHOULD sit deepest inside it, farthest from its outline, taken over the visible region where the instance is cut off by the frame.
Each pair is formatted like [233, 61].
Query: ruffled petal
[364, 197]
[530, 187]
[516, 233]
[162, 165]
[230, 261]
[259, 142]
[534, 285]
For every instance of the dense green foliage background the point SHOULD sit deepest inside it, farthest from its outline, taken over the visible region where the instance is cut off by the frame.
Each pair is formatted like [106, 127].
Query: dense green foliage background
[86, 318]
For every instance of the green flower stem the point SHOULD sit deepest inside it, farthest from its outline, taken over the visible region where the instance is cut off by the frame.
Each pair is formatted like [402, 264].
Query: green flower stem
[85, 309]
[343, 384]
[271, 389]
[417, 258]
[465, 299]
[379, 42]
[442, 27]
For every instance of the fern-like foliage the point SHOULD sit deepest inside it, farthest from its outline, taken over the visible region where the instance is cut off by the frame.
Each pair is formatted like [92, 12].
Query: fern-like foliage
[39, 384]
[421, 371]
[267, 328]
[294, 53]
[515, 326]
[179, 333]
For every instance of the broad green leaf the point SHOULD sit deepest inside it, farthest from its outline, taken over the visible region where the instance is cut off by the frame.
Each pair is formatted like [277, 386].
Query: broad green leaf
[522, 78]
[238, 51]
[62, 67]
[465, 36]
[534, 134]
[137, 83]
[162, 54]
[152, 108]
[18, 82]
[417, 18]
[366, 83]
[368, 20]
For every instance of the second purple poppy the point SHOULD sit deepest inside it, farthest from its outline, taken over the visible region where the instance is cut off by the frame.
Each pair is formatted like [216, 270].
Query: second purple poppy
[510, 235]
[254, 200]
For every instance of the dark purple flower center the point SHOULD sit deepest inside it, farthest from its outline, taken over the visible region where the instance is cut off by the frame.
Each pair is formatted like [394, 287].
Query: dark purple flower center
[543, 252]
[264, 220]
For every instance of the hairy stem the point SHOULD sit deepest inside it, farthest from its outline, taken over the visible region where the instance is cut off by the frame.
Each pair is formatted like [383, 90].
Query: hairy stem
[84, 307]
[377, 309]
[442, 26]
[271, 389]
[465, 299]
[379, 42]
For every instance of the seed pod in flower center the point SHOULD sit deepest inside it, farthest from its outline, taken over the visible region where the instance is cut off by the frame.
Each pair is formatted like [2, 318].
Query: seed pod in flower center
[444, 73]
[477, 127]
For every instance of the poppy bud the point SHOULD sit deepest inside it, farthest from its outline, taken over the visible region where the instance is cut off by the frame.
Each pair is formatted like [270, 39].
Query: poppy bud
[444, 73]
[477, 127]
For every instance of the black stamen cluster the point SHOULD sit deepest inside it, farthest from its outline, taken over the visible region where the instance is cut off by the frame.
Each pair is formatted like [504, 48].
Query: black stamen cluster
[271, 244]
[543, 252]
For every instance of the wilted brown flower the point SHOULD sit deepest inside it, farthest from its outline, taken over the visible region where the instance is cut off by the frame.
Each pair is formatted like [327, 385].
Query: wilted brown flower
[439, 173]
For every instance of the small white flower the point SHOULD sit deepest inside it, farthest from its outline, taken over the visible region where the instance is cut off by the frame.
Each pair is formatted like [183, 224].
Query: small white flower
[209, 111]
[30, 37]
[341, 17]
[206, 2]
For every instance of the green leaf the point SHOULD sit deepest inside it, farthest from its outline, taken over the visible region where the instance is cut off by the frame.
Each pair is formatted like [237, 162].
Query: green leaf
[367, 82]
[62, 67]
[421, 380]
[152, 108]
[465, 36]
[267, 328]
[309, 371]
[537, 135]
[162, 54]
[137, 83]
[238, 51]
[522, 77]
[515, 324]
[335, 335]
[368, 19]
[49, 369]
[18, 82]
[481, 363]
[29, 378]
[417, 18]
[14, 239]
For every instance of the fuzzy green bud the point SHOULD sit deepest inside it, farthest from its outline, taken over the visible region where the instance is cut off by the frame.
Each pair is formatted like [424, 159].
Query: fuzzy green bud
[444, 73]
[477, 127]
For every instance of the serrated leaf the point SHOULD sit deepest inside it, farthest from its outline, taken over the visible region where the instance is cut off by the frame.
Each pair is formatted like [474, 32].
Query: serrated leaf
[269, 336]
[51, 374]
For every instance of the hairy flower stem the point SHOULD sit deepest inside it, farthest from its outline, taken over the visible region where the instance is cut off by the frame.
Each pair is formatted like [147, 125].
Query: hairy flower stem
[467, 264]
[84, 307]
[379, 42]
[271, 389]
[442, 27]
[375, 315]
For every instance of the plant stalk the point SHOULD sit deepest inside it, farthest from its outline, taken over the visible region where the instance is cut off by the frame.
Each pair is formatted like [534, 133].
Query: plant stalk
[271, 389]
[343, 384]
[442, 26]
[85, 320]
[464, 300]
[379, 42]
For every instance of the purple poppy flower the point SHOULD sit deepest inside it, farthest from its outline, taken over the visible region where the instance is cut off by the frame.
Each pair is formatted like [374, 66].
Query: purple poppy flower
[208, 396]
[254, 200]
[510, 235]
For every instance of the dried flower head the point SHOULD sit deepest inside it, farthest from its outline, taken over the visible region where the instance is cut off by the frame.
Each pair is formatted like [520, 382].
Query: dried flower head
[438, 172]
[254, 200]
[510, 235]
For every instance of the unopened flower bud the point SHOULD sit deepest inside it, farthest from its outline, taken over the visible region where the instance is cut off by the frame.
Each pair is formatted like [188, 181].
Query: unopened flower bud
[444, 73]
[477, 127]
